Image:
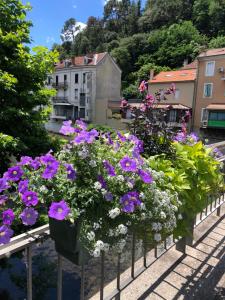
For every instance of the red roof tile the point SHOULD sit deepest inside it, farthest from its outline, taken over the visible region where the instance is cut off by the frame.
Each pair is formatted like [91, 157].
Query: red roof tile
[213, 52]
[93, 60]
[175, 76]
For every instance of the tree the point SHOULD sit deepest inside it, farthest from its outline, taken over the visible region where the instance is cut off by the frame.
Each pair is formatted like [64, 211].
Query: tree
[170, 47]
[218, 42]
[209, 16]
[163, 12]
[23, 96]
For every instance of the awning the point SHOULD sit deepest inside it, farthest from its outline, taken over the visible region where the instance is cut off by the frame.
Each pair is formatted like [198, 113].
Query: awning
[216, 107]
[172, 106]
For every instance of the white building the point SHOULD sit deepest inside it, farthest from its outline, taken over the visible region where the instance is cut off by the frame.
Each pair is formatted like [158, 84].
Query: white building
[84, 87]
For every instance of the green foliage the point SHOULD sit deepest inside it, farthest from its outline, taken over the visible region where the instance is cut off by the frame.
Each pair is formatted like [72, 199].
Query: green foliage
[23, 96]
[8, 147]
[195, 175]
[218, 42]
[209, 16]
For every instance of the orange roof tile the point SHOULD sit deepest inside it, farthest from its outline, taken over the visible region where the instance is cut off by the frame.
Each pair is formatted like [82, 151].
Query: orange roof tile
[94, 59]
[212, 52]
[175, 76]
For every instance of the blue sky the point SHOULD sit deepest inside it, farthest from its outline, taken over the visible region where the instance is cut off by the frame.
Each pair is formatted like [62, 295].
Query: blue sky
[48, 17]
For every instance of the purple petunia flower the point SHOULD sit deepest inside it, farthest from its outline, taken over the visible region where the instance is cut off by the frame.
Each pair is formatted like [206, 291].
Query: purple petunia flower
[25, 160]
[8, 216]
[91, 136]
[3, 199]
[194, 137]
[30, 198]
[71, 173]
[59, 210]
[14, 174]
[129, 201]
[81, 124]
[102, 181]
[29, 216]
[121, 137]
[23, 186]
[5, 234]
[145, 176]
[3, 184]
[81, 138]
[128, 164]
[35, 163]
[180, 137]
[47, 159]
[50, 170]
[109, 168]
[67, 129]
[108, 196]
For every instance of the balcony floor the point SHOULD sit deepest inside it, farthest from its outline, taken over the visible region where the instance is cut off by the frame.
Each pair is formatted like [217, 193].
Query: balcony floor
[198, 275]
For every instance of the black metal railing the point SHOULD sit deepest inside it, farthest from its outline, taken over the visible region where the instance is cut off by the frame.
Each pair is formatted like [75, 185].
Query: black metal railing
[60, 85]
[60, 100]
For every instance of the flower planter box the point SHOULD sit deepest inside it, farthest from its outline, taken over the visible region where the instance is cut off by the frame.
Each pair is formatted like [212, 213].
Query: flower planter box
[66, 237]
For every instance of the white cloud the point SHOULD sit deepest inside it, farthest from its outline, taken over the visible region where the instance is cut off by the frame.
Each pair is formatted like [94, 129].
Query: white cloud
[50, 39]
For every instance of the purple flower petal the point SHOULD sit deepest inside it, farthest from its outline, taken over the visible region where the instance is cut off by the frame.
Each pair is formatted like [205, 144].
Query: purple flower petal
[29, 216]
[30, 198]
[59, 210]
[8, 217]
[5, 234]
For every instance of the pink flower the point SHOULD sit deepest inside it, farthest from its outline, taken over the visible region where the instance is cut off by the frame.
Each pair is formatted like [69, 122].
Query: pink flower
[143, 86]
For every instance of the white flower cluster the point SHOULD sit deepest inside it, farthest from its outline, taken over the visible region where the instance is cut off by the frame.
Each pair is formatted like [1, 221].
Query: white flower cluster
[121, 229]
[84, 153]
[97, 185]
[92, 163]
[113, 213]
[100, 246]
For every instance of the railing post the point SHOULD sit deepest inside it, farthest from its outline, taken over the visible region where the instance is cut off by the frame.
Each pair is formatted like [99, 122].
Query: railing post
[102, 275]
[117, 297]
[82, 281]
[29, 272]
[218, 211]
[59, 279]
[133, 255]
[190, 238]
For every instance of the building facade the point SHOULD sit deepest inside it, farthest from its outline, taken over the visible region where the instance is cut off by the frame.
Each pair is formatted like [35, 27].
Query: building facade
[209, 108]
[179, 102]
[84, 87]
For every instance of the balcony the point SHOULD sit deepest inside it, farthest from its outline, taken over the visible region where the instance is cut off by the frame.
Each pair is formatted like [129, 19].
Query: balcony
[60, 85]
[60, 101]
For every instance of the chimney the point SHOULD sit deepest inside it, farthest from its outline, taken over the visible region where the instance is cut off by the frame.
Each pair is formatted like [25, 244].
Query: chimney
[151, 74]
[185, 62]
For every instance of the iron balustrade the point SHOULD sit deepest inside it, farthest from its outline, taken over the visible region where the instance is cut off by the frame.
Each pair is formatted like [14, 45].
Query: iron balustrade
[60, 85]
[26, 240]
[60, 100]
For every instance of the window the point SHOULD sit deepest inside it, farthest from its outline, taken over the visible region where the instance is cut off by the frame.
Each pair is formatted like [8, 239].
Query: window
[177, 94]
[217, 116]
[65, 77]
[82, 99]
[172, 115]
[82, 113]
[208, 89]
[204, 115]
[49, 80]
[56, 79]
[84, 77]
[76, 93]
[209, 70]
[76, 78]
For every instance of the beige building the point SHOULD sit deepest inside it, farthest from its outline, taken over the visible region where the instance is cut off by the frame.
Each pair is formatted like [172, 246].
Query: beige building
[182, 100]
[85, 85]
[209, 109]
